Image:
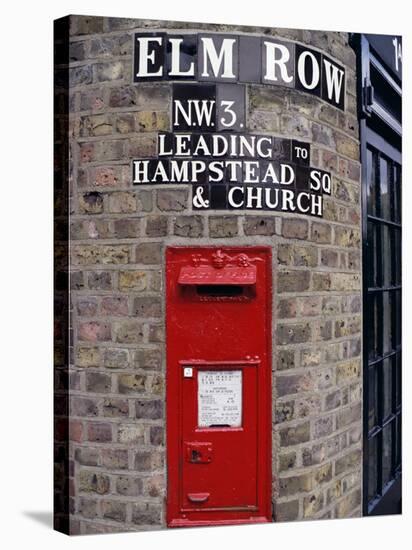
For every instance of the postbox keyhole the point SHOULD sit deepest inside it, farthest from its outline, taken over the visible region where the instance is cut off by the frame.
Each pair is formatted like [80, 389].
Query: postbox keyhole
[199, 453]
[195, 455]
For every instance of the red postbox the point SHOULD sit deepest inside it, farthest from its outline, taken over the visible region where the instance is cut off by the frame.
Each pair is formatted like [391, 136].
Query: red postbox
[218, 326]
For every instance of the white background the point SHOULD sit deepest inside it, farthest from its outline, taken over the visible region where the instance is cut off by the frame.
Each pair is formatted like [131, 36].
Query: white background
[26, 271]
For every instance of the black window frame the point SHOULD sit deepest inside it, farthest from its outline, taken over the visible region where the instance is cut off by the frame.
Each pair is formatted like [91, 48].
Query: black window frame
[381, 134]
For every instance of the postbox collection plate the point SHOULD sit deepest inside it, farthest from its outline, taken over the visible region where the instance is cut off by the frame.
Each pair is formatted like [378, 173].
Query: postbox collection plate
[219, 398]
[224, 407]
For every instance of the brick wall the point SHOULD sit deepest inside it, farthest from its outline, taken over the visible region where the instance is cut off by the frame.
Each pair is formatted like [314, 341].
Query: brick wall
[116, 453]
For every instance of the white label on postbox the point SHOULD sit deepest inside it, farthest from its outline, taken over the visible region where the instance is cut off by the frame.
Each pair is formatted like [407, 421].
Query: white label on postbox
[219, 398]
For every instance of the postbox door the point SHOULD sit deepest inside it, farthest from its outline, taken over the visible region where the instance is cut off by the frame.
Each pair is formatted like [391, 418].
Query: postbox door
[218, 385]
[220, 437]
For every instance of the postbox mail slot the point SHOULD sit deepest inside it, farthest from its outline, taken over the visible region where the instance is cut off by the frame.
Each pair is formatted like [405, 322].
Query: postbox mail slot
[208, 275]
[220, 291]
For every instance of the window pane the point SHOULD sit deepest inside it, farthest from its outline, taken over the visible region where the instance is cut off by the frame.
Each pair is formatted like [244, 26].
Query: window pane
[387, 322]
[398, 393]
[398, 457]
[391, 177]
[372, 468]
[373, 397]
[387, 453]
[387, 255]
[397, 332]
[397, 192]
[387, 386]
[398, 253]
[373, 254]
[372, 326]
[384, 178]
[385, 95]
[371, 178]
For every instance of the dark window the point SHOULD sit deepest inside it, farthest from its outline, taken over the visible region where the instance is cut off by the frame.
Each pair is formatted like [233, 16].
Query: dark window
[380, 120]
[382, 322]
